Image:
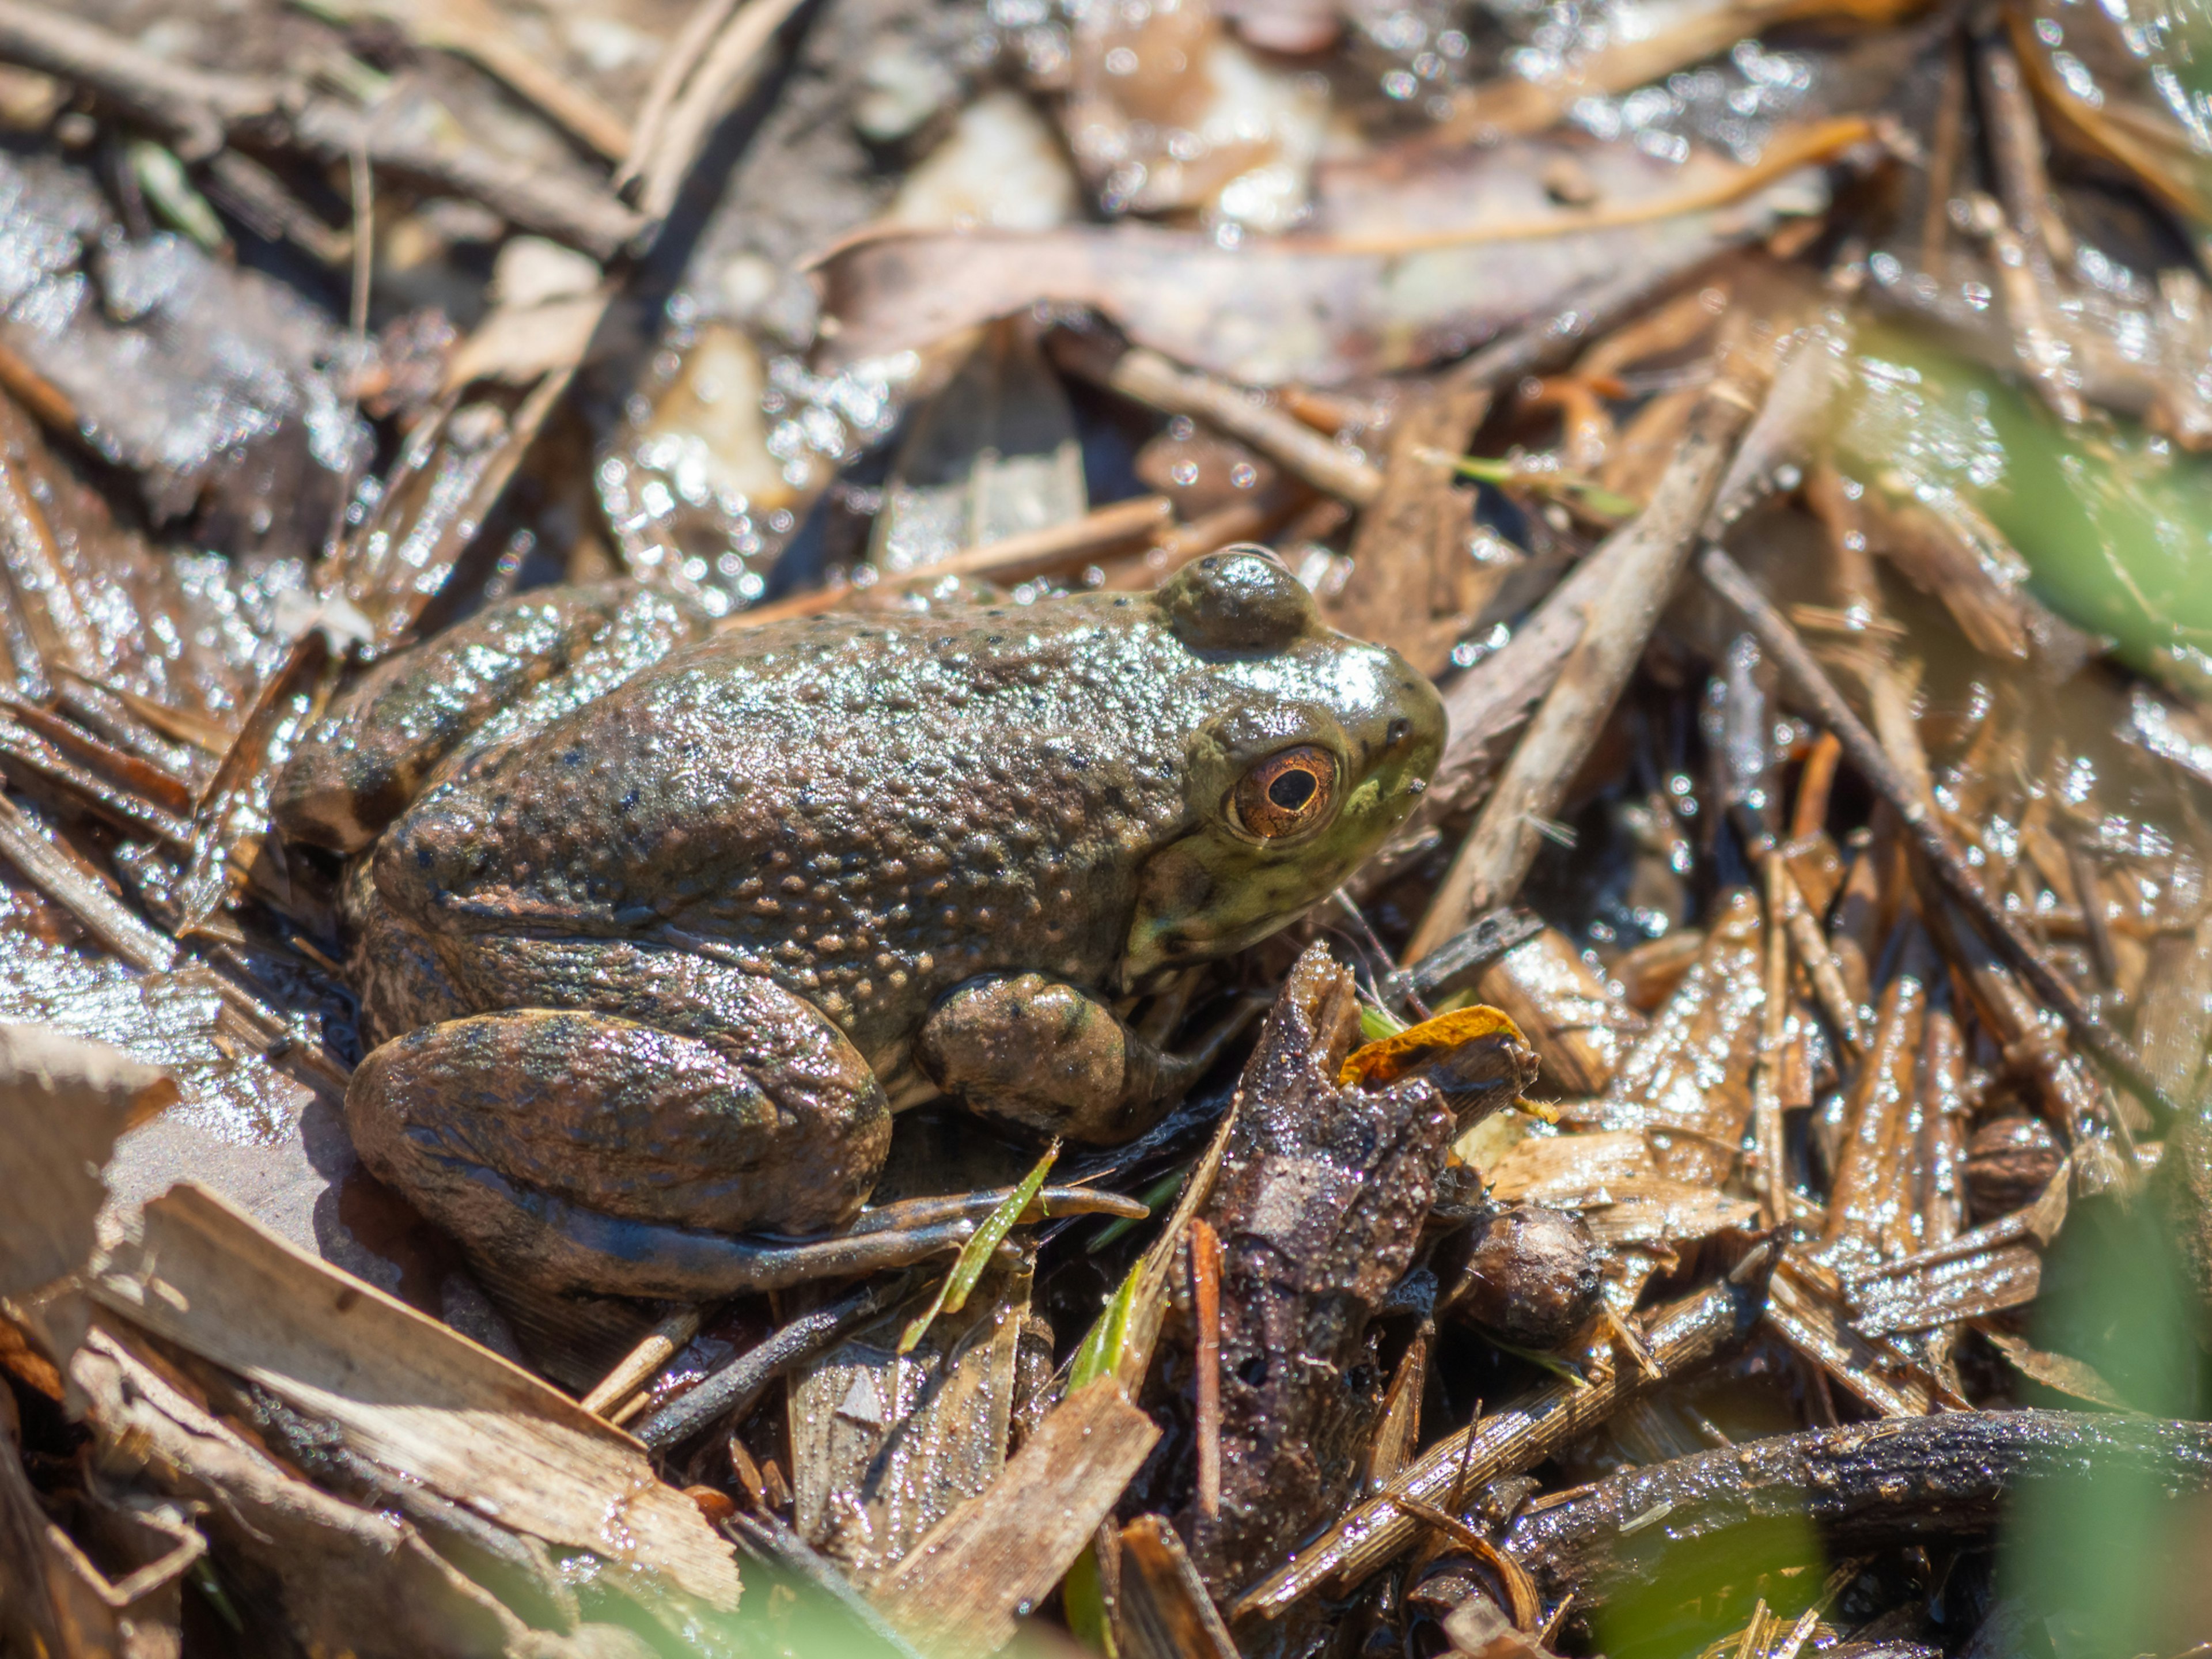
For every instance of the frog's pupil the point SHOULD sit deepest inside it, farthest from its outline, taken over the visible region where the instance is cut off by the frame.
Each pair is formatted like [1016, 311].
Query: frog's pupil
[1291, 790]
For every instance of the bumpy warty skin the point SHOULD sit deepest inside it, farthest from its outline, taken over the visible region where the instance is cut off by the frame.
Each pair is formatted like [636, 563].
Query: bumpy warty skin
[868, 815]
[654, 926]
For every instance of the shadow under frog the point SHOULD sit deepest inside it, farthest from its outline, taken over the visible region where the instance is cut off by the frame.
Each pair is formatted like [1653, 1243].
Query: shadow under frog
[656, 925]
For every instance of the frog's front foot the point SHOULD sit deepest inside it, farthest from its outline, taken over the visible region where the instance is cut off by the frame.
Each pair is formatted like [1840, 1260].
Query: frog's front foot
[1037, 1052]
[613, 1133]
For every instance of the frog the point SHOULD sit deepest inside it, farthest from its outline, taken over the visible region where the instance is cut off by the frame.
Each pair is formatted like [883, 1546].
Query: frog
[656, 923]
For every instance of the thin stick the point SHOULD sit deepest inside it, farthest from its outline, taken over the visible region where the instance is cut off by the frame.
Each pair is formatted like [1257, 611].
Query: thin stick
[1773, 1032]
[732, 1390]
[1780, 639]
[1943, 150]
[1033, 553]
[1815, 787]
[1498, 852]
[735, 53]
[1151, 379]
[2016, 146]
[644, 1362]
[1827, 974]
[684, 51]
[1205, 1305]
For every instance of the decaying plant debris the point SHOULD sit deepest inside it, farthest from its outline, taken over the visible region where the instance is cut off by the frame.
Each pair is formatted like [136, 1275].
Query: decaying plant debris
[1732, 1176]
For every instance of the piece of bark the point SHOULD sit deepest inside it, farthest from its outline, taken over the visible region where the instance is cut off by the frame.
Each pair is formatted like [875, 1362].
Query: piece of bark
[1412, 585]
[1162, 1611]
[1687, 1081]
[1000, 1552]
[884, 1445]
[1939, 1479]
[64, 1100]
[404, 1391]
[1318, 1206]
[343, 1578]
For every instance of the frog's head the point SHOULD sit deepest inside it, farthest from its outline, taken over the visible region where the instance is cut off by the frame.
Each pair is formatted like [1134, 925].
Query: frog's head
[1316, 746]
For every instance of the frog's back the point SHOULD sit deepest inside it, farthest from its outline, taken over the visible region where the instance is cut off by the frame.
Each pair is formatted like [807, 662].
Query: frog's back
[867, 813]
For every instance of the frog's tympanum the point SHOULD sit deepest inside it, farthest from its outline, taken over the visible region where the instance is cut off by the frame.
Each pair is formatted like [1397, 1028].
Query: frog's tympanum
[655, 927]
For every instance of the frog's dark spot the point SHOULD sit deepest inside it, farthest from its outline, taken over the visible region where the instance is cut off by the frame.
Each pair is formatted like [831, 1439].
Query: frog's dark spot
[572, 758]
[1253, 1371]
[422, 858]
[629, 801]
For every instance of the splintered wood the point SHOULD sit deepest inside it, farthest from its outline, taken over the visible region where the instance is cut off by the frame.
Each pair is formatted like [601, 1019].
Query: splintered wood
[404, 1391]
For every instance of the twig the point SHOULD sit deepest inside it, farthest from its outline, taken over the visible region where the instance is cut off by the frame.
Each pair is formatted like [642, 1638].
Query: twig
[200, 112]
[643, 1363]
[1814, 786]
[1145, 375]
[1498, 852]
[1033, 553]
[689, 46]
[2016, 147]
[733, 56]
[1943, 150]
[1487, 939]
[1811, 948]
[738, 1385]
[1773, 1032]
[1867, 1486]
[1205, 1306]
[1780, 641]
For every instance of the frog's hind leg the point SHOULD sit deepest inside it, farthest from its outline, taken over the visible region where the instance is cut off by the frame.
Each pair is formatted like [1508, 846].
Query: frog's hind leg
[359, 770]
[540, 1137]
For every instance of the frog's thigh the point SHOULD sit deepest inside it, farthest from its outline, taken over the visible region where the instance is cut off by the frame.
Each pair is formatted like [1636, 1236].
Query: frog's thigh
[1044, 1054]
[624, 1119]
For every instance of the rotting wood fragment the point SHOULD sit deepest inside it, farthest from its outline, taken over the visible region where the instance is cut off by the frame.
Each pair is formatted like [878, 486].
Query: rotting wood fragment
[1164, 1611]
[961, 1588]
[405, 1391]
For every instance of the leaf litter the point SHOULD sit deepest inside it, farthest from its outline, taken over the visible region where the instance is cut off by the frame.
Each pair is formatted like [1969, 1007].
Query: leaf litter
[1729, 1177]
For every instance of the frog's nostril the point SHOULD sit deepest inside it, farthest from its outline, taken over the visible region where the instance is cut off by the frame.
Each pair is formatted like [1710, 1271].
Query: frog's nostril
[1396, 734]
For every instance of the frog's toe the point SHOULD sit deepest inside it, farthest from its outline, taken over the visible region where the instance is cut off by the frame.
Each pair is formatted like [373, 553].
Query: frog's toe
[616, 1118]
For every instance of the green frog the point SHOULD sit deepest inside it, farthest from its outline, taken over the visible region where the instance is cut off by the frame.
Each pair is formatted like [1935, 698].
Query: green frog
[656, 924]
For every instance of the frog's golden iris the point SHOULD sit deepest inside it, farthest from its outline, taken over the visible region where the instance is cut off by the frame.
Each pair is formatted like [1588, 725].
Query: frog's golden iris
[1288, 792]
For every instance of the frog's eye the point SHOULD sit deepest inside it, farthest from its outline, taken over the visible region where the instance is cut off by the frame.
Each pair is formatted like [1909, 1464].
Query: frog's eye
[1290, 791]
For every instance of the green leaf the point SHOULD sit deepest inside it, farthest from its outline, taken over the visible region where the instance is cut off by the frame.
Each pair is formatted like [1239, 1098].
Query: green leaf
[1377, 1023]
[975, 1254]
[1154, 1195]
